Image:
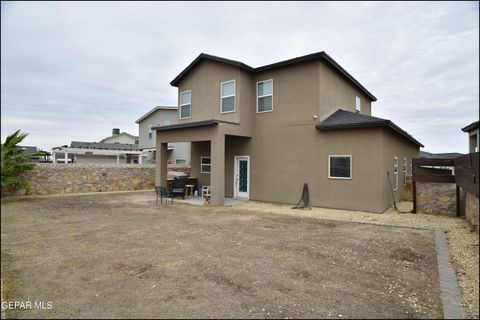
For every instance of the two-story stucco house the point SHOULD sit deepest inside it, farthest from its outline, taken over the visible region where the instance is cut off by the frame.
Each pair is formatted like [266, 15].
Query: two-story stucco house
[178, 153]
[261, 133]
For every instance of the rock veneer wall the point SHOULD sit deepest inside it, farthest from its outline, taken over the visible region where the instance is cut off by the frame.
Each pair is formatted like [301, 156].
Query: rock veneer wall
[437, 198]
[49, 178]
[471, 209]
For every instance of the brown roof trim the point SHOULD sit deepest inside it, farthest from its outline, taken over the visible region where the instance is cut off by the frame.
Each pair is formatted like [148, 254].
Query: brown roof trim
[471, 126]
[203, 123]
[319, 55]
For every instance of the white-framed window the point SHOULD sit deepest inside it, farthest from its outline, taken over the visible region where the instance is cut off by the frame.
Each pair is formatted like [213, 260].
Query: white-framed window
[340, 167]
[404, 171]
[227, 96]
[180, 161]
[185, 104]
[395, 173]
[205, 165]
[150, 131]
[358, 104]
[265, 96]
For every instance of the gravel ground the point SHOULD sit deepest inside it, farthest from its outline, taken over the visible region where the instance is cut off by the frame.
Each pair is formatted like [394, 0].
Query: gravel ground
[121, 256]
[462, 240]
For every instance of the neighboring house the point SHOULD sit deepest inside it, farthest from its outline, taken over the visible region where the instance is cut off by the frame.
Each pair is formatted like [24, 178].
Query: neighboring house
[31, 152]
[120, 148]
[261, 133]
[473, 136]
[117, 137]
[179, 153]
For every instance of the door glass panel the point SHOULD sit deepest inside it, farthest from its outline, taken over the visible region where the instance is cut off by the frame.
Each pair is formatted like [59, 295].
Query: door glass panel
[243, 175]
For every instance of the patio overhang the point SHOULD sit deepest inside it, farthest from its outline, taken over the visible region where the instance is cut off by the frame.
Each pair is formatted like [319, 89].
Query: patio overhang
[194, 124]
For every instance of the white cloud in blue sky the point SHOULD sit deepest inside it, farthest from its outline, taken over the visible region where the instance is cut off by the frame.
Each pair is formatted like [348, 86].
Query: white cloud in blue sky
[75, 70]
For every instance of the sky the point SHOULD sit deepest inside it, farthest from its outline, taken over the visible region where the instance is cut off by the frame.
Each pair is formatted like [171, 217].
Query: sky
[75, 70]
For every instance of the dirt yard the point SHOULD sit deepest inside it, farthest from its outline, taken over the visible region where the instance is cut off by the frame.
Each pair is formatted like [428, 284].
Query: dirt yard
[117, 255]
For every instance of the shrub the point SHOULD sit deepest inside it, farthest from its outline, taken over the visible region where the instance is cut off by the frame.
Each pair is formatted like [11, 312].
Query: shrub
[13, 162]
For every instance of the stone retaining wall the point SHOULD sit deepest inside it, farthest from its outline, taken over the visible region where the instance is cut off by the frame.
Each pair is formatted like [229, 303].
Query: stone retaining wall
[437, 198]
[49, 178]
[471, 209]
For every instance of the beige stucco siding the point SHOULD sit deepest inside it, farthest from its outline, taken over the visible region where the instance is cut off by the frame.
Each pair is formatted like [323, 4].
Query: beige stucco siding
[395, 145]
[335, 92]
[204, 82]
[295, 95]
[300, 154]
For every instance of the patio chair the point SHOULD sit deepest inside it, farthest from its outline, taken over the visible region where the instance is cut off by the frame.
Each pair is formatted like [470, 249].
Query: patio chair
[161, 192]
[206, 194]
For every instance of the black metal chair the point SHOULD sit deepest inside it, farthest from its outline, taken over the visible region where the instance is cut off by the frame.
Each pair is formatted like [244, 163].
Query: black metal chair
[161, 192]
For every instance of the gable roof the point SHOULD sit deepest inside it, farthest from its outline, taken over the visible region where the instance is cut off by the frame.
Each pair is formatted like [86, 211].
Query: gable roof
[319, 55]
[146, 115]
[120, 134]
[471, 126]
[342, 119]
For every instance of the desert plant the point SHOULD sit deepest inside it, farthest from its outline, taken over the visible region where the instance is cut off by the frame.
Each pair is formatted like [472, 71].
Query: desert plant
[13, 162]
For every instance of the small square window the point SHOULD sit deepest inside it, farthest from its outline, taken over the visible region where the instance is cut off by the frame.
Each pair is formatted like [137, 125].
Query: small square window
[340, 167]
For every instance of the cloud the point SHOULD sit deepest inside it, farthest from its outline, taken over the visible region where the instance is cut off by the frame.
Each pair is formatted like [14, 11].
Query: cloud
[74, 70]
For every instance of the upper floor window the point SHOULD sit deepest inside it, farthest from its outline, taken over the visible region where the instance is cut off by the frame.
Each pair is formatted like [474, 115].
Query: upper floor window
[185, 104]
[265, 96]
[227, 94]
[358, 104]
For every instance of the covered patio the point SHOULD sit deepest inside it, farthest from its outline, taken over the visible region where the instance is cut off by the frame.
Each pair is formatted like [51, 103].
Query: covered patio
[219, 156]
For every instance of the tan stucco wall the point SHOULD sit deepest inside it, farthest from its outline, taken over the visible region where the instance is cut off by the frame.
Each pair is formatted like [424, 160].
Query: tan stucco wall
[200, 149]
[335, 92]
[204, 83]
[395, 145]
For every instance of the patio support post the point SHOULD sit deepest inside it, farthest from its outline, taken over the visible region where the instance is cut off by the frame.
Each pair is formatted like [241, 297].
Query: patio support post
[217, 174]
[140, 159]
[161, 164]
[54, 158]
[118, 159]
[66, 157]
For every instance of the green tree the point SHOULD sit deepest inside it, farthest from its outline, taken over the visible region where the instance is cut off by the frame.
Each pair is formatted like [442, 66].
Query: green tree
[13, 162]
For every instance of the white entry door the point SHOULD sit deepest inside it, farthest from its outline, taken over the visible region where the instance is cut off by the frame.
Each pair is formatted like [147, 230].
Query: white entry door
[241, 178]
